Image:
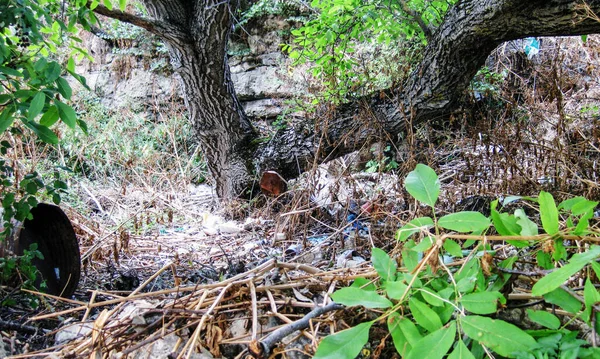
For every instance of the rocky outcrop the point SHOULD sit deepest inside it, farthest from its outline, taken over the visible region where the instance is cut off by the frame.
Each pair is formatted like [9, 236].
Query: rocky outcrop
[259, 71]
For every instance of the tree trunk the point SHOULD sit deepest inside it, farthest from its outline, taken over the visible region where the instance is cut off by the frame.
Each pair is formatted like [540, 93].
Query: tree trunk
[198, 55]
[197, 32]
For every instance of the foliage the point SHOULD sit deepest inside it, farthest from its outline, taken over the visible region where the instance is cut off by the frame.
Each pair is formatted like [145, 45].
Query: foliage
[433, 310]
[267, 7]
[20, 272]
[333, 40]
[132, 147]
[33, 89]
[385, 163]
[34, 95]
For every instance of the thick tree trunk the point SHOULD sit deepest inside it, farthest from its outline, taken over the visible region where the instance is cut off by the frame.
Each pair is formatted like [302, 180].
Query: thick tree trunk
[199, 57]
[197, 32]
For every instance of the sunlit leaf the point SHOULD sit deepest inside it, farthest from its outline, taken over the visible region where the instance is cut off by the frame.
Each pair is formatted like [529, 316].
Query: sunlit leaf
[424, 316]
[502, 337]
[383, 264]
[528, 227]
[423, 184]
[555, 279]
[544, 318]
[345, 344]
[548, 213]
[434, 345]
[467, 221]
[351, 296]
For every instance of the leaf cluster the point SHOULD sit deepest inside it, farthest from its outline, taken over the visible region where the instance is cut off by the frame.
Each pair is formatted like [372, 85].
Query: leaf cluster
[332, 40]
[442, 299]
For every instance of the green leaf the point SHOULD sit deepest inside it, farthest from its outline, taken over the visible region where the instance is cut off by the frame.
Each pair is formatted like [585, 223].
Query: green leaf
[596, 268]
[528, 227]
[431, 297]
[355, 296]
[424, 245]
[563, 299]
[6, 119]
[64, 88]
[52, 72]
[461, 351]
[434, 345]
[122, 5]
[10, 72]
[500, 336]
[452, 248]
[548, 213]
[401, 343]
[591, 297]
[410, 331]
[384, 265]
[421, 224]
[567, 204]
[43, 132]
[555, 279]
[346, 344]
[544, 260]
[424, 316]
[37, 105]
[410, 258]
[395, 290]
[467, 221]
[505, 224]
[423, 184]
[108, 4]
[481, 302]
[66, 113]
[50, 117]
[363, 283]
[544, 318]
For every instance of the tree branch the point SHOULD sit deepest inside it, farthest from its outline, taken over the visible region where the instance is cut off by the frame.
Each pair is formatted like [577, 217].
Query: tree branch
[471, 30]
[263, 348]
[417, 17]
[169, 32]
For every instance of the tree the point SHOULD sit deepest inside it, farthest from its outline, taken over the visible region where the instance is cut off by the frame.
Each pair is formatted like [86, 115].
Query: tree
[196, 33]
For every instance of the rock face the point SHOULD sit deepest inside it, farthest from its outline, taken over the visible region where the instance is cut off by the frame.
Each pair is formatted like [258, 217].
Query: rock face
[259, 71]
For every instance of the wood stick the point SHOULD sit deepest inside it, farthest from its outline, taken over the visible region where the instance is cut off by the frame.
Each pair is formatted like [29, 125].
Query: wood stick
[266, 345]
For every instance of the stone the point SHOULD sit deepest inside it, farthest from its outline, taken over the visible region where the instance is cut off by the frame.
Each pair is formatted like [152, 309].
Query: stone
[72, 332]
[265, 108]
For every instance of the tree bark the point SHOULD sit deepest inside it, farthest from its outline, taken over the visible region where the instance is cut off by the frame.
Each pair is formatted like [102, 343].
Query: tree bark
[197, 32]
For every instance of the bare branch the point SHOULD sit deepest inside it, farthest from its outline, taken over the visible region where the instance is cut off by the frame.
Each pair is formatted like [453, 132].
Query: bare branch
[263, 348]
[159, 28]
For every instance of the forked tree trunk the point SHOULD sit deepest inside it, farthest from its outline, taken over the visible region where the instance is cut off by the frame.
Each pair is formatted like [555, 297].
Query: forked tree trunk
[197, 31]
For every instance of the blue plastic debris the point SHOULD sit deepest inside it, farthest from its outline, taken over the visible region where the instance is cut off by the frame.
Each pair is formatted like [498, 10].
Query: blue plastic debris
[531, 46]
